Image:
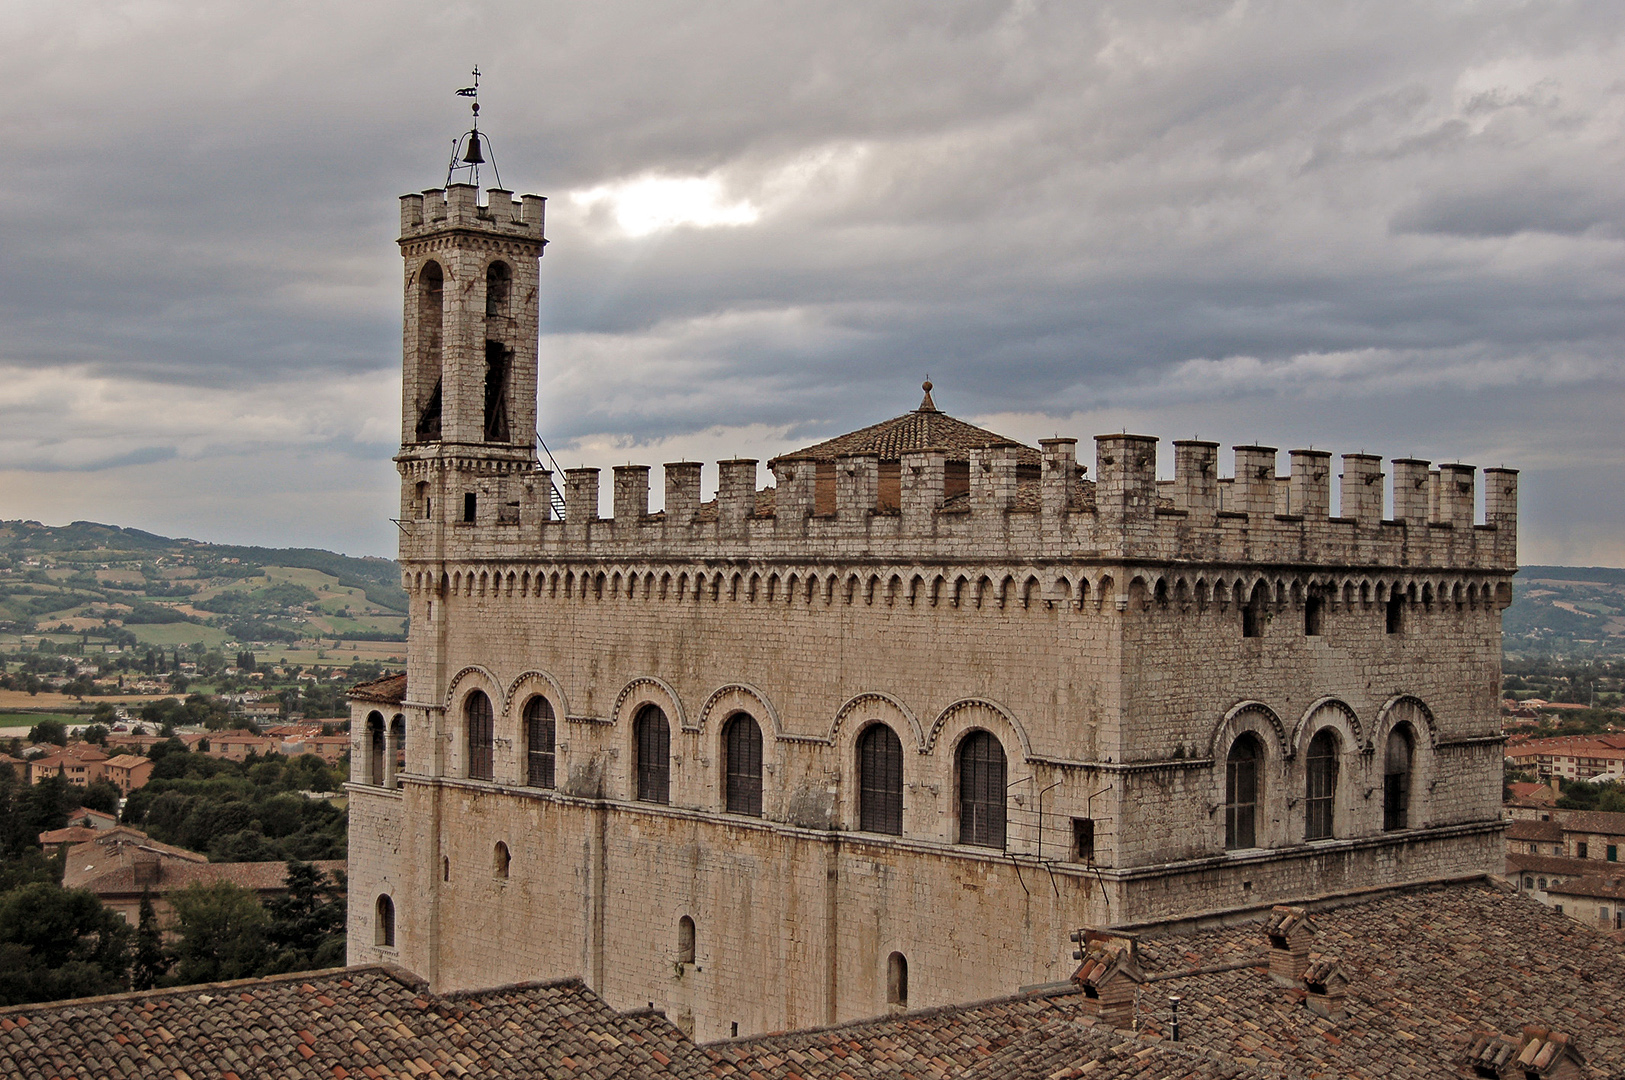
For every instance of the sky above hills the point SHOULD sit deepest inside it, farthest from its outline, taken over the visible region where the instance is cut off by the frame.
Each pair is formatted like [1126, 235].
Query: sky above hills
[1389, 227]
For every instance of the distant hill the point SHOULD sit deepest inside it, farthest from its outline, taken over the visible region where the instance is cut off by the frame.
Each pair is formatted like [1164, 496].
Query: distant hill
[109, 583]
[1571, 611]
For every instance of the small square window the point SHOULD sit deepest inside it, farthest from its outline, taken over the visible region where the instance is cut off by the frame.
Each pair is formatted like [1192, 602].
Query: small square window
[1613, 853]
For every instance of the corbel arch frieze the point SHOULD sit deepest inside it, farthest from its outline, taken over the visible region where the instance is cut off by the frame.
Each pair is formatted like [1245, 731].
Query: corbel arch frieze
[887, 704]
[963, 705]
[740, 697]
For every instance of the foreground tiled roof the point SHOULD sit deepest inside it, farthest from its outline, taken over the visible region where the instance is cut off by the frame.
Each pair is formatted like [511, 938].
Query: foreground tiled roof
[1432, 974]
[926, 428]
[360, 1022]
[387, 689]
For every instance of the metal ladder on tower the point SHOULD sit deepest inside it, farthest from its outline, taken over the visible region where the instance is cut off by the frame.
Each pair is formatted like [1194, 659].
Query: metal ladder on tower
[554, 496]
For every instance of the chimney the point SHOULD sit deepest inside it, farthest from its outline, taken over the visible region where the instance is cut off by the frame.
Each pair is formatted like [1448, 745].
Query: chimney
[1539, 1054]
[1108, 975]
[1326, 987]
[1289, 931]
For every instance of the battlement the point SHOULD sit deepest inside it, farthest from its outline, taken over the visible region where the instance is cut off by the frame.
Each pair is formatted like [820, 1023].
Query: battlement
[913, 510]
[458, 207]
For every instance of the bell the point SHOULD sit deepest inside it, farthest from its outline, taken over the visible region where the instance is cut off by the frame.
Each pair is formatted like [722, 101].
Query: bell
[472, 155]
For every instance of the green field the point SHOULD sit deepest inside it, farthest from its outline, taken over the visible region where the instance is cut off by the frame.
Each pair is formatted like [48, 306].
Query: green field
[178, 634]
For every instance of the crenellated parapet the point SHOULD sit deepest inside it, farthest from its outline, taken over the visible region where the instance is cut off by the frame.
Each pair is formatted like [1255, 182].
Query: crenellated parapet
[1005, 508]
[458, 207]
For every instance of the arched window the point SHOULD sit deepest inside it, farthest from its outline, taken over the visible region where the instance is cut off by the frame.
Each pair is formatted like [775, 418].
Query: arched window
[652, 736]
[481, 724]
[880, 781]
[981, 790]
[685, 940]
[897, 980]
[1396, 779]
[539, 742]
[375, 749]
[397, 728]
[742, 762]
[498, 279]
[501, 860]
[383, 923]
[1320, 786]
[431, 306]
[1241, 792]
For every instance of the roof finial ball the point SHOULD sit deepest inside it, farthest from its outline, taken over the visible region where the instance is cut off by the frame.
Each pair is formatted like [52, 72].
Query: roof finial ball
[927, 405]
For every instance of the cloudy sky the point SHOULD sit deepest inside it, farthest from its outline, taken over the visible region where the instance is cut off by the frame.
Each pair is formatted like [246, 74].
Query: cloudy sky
[1391, 227]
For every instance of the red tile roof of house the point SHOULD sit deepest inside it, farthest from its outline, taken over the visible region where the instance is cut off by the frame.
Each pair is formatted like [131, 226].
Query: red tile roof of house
[387, 689]
[1546, 832]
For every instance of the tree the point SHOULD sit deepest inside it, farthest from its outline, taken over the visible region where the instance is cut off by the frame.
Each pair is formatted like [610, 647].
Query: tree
[307, 923]
[49, 731]
[222, 932]
[103, 795]
[152, 960]
[57, 943]
[96, 734]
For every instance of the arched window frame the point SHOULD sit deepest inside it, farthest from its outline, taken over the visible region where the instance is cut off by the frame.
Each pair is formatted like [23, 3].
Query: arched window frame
[981, 778]
[383, 930]
[685, 940]
[479, 737]
[1322, 763]
[541, 746]
[651, 755]
[897, 981]
[742, 759]
[1241, 813]
[397, 751]
[1397, 784]
[501, 861]
[879, 758]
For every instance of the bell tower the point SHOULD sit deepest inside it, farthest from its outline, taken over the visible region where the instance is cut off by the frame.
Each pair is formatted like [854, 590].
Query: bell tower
[468, 386]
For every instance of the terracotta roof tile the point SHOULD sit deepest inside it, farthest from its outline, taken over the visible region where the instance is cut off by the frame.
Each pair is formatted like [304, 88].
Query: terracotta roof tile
[926, 428]
[386, 689]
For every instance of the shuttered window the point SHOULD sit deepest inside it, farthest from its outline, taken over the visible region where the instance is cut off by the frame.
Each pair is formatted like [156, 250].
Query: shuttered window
[981, 790]
[1320, 787]
[481, 735]
[1396, 781]
[742, 753]
[652, 735]
[539, 742]
[1241, 793]
[880, 781]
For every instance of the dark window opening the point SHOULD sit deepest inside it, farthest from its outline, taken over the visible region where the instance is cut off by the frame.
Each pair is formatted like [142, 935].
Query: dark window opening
[501, 860]
[445, 868]
[981, 790]
[1396, 781]
[1252, 616]
[498, 362]
[1613, 853]
[742, 765]
[471, 503]
[431, 309]
[1083, 839]
[897, 980]
[384, 922]
[423, 502]
[498, 281]
[397, 728]
[1580, 851]
[685, 940]
[880, 781]
[1396, 614]
[1241, 793]
[1314, 615]
[1320, 793]
[481, 736]
[375, 749]
[652, 736]
[539, 742]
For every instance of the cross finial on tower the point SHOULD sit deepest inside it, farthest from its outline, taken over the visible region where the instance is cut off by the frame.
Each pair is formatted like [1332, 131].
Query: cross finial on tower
[472, 154]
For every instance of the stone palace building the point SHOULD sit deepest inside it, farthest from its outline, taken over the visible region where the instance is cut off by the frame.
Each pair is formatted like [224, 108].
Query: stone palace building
[880, 735]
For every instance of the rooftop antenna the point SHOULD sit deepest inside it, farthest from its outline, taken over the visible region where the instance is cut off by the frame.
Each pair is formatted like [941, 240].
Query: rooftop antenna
[467, 151]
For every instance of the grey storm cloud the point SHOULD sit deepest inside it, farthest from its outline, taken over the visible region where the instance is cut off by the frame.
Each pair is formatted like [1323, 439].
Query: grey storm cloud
[1393, 224]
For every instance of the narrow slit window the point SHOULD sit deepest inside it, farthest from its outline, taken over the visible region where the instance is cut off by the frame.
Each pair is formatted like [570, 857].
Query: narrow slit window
[1314, 615]
[470, 506]
[1395, 619]
[384, 922]
[897, 980]
[685, 940]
